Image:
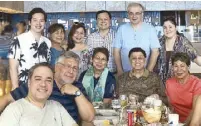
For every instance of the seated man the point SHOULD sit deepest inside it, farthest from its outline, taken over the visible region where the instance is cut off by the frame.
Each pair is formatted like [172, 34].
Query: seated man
[35, 109]
[139, 80]
[70, 93]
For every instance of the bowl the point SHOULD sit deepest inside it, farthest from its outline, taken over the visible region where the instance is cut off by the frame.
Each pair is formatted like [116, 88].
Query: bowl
[151, 115]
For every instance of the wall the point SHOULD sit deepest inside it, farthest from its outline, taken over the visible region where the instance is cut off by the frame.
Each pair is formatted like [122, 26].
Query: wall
[91, 6]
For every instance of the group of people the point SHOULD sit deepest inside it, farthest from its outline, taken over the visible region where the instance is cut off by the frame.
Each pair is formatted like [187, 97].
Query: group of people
[85, 70]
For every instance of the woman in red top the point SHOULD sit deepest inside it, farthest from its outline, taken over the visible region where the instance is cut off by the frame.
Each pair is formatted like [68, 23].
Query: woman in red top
[182, 89]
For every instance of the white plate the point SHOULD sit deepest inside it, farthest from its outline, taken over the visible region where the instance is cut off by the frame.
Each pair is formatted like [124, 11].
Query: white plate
[106, 112]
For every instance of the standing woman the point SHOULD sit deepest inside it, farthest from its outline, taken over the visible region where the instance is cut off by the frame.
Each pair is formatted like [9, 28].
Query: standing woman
[76, 43]
[171, 43]
[56, 35]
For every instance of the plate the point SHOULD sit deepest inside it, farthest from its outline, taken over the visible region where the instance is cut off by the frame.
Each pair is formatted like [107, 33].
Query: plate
[106, 112]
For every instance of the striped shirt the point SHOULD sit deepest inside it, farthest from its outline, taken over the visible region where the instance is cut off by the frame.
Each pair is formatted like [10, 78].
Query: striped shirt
[68, 101]
[96, 40]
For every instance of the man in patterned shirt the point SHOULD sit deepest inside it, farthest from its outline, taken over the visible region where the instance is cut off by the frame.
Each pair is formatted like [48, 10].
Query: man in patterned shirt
[139, 80]
[29, 48]
[104, 36]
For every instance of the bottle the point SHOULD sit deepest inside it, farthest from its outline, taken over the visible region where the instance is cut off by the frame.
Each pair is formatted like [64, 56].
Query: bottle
[164, 119]
[138, 121]
[115, 101]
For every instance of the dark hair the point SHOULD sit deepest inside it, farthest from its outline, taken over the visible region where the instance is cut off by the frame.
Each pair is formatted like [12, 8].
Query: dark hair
[73, 29]
[54, 27]
[137, 49]
[23, 23]
[7, 29]
[172, 20]
[102, 50]
[181, 56]
[103, 11]
[37, 10]
[42, 64]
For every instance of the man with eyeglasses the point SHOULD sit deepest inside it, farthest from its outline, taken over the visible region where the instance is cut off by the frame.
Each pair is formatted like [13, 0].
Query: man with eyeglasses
[66, 90]
[104, 36]
[136, 33]
[139, 80]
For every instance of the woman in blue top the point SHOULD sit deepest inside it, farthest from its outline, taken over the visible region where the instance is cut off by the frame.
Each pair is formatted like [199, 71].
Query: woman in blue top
[98, 81]
[56, 35]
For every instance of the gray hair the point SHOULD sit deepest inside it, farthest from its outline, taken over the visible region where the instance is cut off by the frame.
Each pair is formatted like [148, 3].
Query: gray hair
[133, 4]
[68, 54]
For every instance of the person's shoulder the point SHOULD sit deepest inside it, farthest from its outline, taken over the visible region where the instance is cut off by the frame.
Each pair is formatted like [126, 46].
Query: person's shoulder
[195, 78]
[124, 25]
[92, 34]
[47, 40]
[19, 104]
[111, 75]
[123, 75]
[171, 80]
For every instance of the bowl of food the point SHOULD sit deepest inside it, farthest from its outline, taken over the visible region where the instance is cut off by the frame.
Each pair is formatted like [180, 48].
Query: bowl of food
[151, 116]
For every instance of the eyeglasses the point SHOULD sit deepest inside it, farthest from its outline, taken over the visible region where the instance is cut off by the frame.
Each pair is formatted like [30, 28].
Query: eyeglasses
[97, 59]
[68, 67]
[132, 14]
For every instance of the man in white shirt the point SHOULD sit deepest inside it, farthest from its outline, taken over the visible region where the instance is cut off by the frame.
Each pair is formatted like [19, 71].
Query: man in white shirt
[29, 48]
[35, 109]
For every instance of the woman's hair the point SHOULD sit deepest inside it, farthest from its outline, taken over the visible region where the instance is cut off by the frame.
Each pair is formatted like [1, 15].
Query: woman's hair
[73, 29]
[172, 20]
[181, 56]
[137, 50]
[54, 27]
[101, 50]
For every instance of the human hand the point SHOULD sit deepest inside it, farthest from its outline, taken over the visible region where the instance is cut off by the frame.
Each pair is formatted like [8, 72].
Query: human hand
[68, 89]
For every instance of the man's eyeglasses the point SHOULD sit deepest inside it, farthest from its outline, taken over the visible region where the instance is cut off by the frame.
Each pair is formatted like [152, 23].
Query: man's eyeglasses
[68, 67]
[136, 14]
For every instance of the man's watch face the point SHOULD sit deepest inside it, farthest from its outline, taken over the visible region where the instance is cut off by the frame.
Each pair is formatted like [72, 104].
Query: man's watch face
[78, 93]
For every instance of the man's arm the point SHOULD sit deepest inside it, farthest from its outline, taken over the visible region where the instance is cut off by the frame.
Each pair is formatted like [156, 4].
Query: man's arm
[85, 108]
[197, 60]
[153, 59]
[5, 100]
[117, 59]
[13, 64]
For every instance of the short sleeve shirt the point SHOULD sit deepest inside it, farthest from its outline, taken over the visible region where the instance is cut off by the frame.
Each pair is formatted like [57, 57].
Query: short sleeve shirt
[127, 38]
[27, 51]
[68, 101]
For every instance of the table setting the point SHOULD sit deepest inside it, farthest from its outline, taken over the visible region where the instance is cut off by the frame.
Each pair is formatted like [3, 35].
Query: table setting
[127, 111]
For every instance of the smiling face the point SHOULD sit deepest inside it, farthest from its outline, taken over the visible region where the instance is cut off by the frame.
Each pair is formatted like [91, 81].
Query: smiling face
[57, 36]
[99, 61]
[37, 23]
[78, 36]
[180, 70]
[135, 14]
[103, 21]
[169, 29]
[137, 61]
[41, 84]
[66, 71]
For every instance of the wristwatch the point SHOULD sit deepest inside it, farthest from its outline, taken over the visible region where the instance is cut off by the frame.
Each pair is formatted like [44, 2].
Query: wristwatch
[77, 93]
